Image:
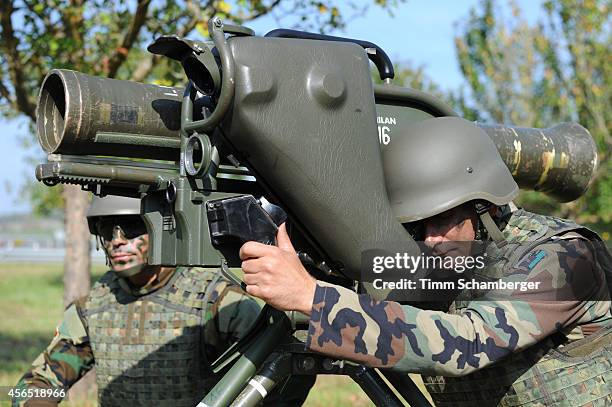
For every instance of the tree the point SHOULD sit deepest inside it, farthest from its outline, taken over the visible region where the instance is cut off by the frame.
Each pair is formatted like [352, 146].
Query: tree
[537, 75]
[108, 38]
[415, 77]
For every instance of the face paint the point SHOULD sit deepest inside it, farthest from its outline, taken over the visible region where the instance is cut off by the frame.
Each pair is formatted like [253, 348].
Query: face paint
[125, 254]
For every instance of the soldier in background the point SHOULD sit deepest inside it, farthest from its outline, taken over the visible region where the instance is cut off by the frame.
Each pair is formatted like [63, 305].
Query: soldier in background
[542, 347]
[150, 331]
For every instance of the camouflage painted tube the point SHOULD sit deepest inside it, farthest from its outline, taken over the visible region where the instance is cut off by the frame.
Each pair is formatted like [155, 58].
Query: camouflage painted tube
[558, 161]
[83, 114]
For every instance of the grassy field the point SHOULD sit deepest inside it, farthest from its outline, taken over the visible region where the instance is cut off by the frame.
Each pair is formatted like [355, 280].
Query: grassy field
[31, 307]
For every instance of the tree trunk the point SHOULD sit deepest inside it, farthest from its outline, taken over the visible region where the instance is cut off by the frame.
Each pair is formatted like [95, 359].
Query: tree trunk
[77, 262]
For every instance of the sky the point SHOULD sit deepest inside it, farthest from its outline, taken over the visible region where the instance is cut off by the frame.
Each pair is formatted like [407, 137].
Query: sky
[420, 31]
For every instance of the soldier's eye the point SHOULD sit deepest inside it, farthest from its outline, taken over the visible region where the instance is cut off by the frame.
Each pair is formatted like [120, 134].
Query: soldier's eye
[130, 227]
[416, 230]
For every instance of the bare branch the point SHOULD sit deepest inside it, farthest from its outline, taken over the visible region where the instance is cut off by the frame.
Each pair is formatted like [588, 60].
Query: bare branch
[15, 68]
[5, 93]
[148, 63]
[145, 67]
[197, 16]
[262, 12]
[121, 53]
[73, 20]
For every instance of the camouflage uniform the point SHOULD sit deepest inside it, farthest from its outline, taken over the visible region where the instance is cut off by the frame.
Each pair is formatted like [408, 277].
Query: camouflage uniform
[151, 345]
[525, 349]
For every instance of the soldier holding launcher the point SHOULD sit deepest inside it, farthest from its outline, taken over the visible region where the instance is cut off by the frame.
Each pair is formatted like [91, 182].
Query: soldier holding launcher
[552, 346]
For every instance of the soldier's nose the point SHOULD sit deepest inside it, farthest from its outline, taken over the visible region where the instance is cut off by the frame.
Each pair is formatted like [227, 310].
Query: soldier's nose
[434, 234]
[432, 239]
[118, 236]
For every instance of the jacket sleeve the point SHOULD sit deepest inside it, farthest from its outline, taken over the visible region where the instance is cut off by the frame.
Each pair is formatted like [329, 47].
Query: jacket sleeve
[408, 339]
[67, 358]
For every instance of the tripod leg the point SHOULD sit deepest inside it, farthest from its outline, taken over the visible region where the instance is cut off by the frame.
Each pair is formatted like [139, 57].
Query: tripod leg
[375, 387]
[406, 387]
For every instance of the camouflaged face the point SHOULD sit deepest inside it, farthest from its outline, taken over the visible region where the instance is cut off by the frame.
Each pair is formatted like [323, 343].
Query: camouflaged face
[124, 254]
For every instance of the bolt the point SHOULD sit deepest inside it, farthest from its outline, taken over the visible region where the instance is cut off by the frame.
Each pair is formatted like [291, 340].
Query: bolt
[328, 364]
[307, 363]
[469, 170]
[217, 22]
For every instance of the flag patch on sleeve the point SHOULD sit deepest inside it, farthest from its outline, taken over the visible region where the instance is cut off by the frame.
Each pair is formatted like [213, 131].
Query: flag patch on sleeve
[532, 259]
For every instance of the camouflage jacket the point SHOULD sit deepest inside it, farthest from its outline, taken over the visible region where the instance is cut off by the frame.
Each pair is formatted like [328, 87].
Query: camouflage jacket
[70, 354]
[387, 334]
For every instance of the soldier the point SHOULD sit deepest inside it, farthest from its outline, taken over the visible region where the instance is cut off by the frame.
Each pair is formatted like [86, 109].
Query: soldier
[546, 346]
[150, 331]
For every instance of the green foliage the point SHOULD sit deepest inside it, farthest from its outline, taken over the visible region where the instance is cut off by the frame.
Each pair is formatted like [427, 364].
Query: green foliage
[45, 201]
[30, 309]
[537, 75]
[413, 77]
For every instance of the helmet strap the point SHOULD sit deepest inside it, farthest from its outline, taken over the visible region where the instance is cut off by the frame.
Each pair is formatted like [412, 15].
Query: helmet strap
[100, 244]
[482, 210]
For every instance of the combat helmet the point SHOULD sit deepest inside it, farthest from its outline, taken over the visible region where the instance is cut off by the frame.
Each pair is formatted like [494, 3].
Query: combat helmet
[112, 205]
[441, 163]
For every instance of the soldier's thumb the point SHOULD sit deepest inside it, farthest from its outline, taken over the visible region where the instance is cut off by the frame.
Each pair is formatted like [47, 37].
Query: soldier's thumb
[282, 239]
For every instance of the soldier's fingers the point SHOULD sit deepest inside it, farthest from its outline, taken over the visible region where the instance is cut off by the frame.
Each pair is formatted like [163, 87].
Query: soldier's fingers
[283, 240]
[254, 290]
[252, 266]
[254, 250]
[250, 279]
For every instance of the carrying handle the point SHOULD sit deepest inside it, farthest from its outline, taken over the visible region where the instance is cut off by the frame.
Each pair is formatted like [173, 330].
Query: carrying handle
[375, 53]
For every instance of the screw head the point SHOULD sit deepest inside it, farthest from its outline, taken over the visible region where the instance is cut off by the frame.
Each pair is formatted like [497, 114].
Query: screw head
[308, 363]
[469, 170]
[328, 364]
[217, 22]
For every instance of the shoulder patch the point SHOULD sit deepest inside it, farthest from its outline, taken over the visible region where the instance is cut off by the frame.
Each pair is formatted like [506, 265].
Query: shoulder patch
[532, 259]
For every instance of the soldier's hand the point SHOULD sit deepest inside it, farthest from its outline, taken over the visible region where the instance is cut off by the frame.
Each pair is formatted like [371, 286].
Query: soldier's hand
[276, 275]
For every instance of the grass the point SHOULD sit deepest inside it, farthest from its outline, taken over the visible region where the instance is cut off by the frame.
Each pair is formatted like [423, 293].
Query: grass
[31, 307]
